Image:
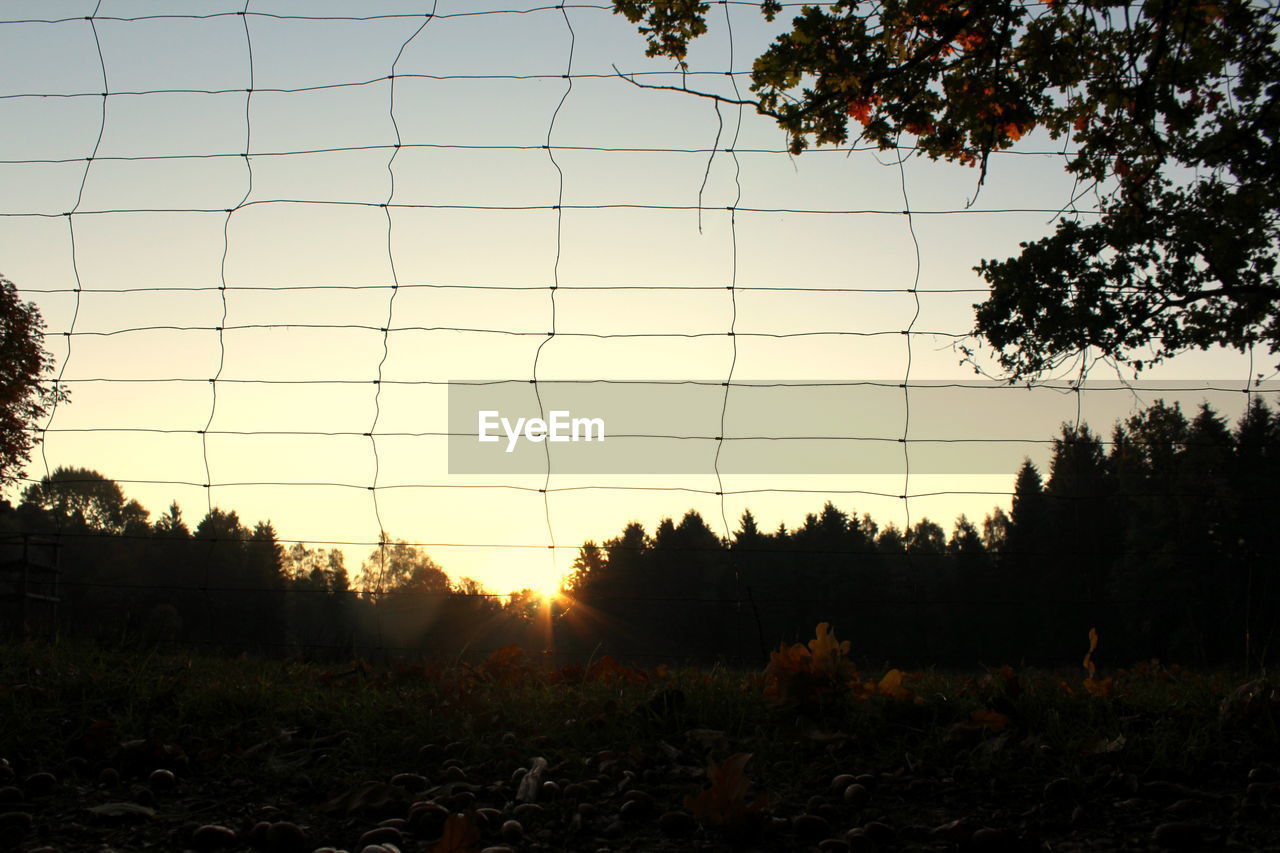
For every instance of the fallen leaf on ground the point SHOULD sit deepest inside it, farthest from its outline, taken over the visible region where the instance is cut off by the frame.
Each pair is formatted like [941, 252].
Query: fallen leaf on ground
[122, 810]
[724, 804]
[532, 781]
[460, 835]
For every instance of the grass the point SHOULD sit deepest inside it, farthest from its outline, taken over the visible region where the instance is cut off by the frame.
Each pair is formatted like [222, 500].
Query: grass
[295, 735]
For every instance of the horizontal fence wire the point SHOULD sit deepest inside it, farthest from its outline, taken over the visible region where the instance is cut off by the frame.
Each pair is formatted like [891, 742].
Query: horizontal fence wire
[836, 603]
[446, 146]
[470, 13]
[735, 550]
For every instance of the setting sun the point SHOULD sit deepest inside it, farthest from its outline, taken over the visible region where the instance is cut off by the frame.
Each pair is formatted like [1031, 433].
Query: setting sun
[549, 589]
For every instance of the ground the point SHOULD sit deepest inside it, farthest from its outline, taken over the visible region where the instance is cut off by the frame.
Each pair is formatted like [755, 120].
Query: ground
[133, 749]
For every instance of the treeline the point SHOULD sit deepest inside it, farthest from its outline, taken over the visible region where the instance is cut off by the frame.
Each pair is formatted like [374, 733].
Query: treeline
[126, 578]
[1166, 538]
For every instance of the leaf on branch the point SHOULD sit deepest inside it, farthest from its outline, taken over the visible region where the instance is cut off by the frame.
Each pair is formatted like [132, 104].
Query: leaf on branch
[860, 108]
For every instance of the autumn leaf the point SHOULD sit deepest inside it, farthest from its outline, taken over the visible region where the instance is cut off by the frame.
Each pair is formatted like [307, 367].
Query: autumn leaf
[993, 720]
[724, 804]
[803, 674]
[860, 108]
[828, 654]
[99, 739]
[460, 835]
[970, 40]
[568, 674]
[122, 810]
[1098, 689]
[609, 669]
[891, 685]
[794, 657]
[531, 783]
[505, 664]
[1016, 131]
[1088, 656]
[1003, 681]
[1103, 745]
[786, 667]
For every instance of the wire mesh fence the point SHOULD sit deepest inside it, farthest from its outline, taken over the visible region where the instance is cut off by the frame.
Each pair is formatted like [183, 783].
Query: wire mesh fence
[268, 240]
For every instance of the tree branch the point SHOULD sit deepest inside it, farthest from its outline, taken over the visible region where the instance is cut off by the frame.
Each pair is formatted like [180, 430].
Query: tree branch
[687, 91]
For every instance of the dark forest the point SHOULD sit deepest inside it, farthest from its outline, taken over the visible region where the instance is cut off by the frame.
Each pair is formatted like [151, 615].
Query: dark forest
[1162, 536]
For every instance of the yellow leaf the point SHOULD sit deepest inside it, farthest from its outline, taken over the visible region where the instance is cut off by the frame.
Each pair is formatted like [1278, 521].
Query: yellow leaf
[824, 647]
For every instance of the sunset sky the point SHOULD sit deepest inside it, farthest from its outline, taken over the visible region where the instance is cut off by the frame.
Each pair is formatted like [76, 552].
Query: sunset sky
[293, 249]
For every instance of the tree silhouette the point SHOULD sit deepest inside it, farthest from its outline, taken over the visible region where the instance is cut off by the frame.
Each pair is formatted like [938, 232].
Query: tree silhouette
[1255, 474]
[995, 530]
[409, 596]
[85, 500]
[1165, 541]
[1082, 534]
[245, 573]
[26, 395]
[171, 525]
[587, 566]
[979, 623]
[626, 555]
[319, 601]
[396, 566]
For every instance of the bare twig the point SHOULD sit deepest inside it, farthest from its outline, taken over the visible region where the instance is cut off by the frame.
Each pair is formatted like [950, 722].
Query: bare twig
[687, 91]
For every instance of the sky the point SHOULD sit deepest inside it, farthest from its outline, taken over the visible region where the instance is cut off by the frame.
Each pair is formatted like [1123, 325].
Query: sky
[276, 286]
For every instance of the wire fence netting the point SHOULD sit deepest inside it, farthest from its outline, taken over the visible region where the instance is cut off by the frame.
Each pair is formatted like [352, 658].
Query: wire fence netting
[281, 250]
